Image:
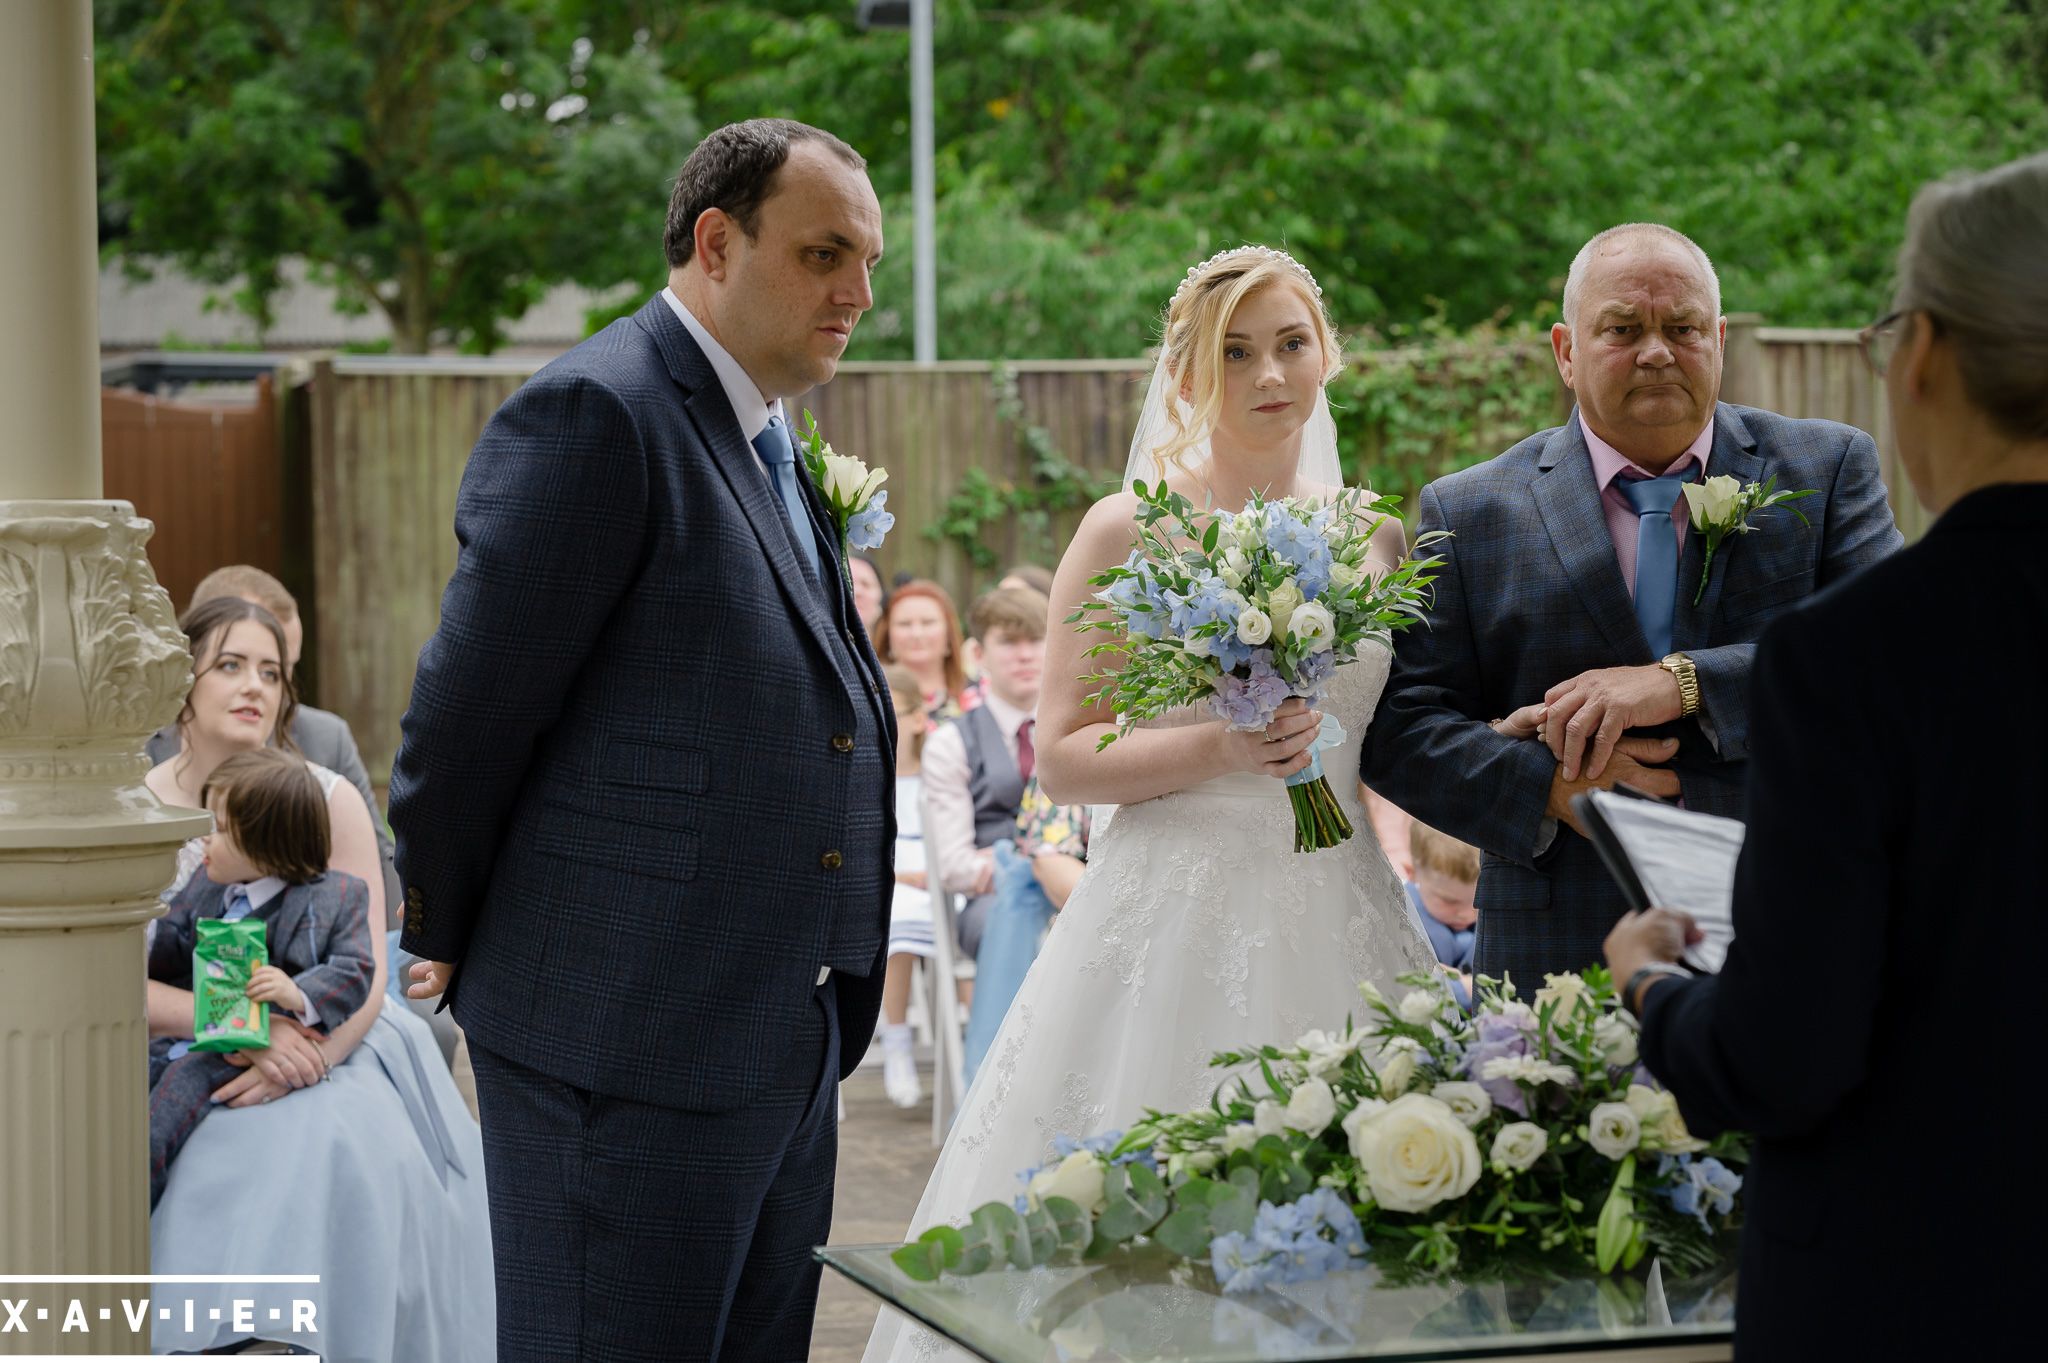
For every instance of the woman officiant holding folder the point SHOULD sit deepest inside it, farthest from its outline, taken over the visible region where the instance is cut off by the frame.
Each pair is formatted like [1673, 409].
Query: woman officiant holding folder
[1897, 799]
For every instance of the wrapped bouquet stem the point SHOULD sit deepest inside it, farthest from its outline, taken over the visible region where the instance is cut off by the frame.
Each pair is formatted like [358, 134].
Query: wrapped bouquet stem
[1245, 610]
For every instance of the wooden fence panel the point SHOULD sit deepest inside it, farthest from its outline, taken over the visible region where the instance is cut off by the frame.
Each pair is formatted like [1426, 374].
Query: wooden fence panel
[208, 475]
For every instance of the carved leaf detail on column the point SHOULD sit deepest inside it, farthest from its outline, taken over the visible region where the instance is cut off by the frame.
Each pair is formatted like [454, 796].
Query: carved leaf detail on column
[17, 642]
[131, 653]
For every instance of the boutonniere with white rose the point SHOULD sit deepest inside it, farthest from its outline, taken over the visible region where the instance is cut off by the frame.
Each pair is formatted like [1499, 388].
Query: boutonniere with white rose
[852, 492]
[1721, 507]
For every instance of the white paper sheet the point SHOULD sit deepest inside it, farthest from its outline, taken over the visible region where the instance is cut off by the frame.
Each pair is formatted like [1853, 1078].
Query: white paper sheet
[1685, 860]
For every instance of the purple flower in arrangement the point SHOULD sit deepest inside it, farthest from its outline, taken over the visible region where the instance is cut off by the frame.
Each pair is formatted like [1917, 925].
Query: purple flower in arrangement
[1314, 674]
[866, 527]
[1500, 1037]
[1249, 702]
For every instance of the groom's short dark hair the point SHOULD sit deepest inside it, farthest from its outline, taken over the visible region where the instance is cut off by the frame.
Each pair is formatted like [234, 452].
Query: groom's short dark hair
[734, 168]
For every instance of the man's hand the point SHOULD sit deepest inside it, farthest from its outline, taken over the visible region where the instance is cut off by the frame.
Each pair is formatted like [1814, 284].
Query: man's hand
[272, 986]
[292, 1060]
[1653, 935]
[1630, 765]
[1589, 714]
[430, 979]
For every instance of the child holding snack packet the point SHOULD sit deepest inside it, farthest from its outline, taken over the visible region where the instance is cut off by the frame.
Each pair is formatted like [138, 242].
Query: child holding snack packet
[266, 912]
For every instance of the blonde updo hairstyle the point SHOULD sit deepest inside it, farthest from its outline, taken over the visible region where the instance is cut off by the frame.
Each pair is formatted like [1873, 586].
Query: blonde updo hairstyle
[1198, 318]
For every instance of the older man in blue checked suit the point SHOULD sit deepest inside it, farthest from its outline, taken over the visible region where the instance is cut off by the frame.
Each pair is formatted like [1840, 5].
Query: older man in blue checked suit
[644, 796]
[1575, 587]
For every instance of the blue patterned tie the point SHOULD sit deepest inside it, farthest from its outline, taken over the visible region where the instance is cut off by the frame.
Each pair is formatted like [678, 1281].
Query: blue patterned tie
[1656, 553]
[236, 905]
[780, 456]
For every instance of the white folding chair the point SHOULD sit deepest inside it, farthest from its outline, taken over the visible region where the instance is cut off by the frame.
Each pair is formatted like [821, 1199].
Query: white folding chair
[942, 1005]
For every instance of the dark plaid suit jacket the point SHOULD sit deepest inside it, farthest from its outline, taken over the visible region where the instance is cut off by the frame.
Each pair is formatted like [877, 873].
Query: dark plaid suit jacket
[646, 782]
[1531, 595]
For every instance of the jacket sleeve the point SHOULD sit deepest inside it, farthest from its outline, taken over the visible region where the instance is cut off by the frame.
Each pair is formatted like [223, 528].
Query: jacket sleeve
[1858, 529]
[1431, 722]
[1815, 867]
[339, 983]
[550, 523]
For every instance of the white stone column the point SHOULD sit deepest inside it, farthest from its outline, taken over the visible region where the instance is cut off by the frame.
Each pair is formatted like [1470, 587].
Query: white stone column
[91, 663]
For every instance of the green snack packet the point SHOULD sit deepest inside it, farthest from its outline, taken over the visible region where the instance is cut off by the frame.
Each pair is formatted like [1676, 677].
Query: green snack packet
[224, 957]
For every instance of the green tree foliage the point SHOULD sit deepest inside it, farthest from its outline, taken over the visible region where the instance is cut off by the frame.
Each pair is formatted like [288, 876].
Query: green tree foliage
[444, 162]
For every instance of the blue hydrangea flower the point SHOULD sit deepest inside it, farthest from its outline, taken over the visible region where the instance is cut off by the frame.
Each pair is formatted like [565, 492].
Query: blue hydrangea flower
[1238, 1265]
[1708, 1187]
[1128, 594]
[866, 527]
[1302, 547]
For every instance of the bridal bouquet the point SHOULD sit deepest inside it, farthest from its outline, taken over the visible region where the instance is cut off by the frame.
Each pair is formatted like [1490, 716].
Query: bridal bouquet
[1245, 609]
[1429, 1141]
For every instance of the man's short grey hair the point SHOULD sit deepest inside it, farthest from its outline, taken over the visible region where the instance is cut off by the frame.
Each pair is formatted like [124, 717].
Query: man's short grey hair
[1576, 276]
[1973, 260]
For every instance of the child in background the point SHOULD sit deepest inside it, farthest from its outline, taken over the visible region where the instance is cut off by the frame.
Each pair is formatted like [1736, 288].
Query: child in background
[1446, 880]
[266, 859]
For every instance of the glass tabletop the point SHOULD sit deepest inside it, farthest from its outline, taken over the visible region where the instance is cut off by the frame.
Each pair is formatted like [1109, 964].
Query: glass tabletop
[1144, 1304]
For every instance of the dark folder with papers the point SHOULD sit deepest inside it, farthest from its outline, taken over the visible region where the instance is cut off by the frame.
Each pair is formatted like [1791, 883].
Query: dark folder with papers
[1666, 857]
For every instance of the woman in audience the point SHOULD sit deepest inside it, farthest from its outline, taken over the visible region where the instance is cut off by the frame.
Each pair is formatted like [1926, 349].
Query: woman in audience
[910, 913]
[870, 597]
[371, 1171]
[921, 631]
[1895, 787]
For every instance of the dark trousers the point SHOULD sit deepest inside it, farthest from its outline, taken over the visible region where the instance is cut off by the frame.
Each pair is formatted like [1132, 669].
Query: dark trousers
[622, 1230]
[180, 1096]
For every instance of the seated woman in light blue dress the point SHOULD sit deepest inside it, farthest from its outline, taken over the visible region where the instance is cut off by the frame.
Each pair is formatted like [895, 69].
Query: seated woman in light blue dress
[354, 1160]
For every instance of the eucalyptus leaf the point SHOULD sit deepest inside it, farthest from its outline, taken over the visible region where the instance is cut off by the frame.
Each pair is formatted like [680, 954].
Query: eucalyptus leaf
[1186, 1232]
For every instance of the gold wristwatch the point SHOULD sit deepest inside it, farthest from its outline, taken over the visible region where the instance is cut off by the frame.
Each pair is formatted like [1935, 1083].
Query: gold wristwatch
[1680, 666]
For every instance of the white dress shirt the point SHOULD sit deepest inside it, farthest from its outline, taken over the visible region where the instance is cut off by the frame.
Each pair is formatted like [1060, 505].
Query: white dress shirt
[741, 391]
[949, 807]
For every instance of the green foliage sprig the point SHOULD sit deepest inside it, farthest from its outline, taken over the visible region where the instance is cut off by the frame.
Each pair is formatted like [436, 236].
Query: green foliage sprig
[1052, 483]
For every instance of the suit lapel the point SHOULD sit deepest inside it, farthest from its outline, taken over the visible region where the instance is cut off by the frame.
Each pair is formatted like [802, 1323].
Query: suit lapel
[1735, 455]
[709, 411]
[1568, 499]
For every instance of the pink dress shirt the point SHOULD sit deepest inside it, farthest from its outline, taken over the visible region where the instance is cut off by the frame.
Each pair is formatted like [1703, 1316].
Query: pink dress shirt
[1622, 522]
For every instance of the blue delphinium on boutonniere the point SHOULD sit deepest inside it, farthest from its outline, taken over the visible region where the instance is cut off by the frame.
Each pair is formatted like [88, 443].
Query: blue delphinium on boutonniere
[1721, 507]
[852, 492]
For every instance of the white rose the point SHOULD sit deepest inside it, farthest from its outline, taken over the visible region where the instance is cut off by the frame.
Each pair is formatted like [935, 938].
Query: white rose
[1615, 1034]
[848, 481]
[1281, 603]
[1254, 626]
[1711, 503]
[1313, 624]
[1613, 1130]
[1415, 1154]
[1397, 1070]
[1077, 1178]
[1519, 1145]
[1269, 1118]
[1657, 1114]
[1420, 1005]
[1563, 990]
[1470, 1102]
[1239, 1136]
[1310, 1107]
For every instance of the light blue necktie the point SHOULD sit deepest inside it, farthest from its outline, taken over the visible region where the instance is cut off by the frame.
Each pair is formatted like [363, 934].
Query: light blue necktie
[237, 905]
[780, 456]
[1656, 553]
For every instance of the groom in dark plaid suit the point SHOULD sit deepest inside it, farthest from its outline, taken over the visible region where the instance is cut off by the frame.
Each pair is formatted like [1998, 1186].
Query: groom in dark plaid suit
[644, 801]
[1569, 591]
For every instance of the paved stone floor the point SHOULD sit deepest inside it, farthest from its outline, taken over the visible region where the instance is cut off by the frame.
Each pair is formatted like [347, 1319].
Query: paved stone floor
[885, 1155]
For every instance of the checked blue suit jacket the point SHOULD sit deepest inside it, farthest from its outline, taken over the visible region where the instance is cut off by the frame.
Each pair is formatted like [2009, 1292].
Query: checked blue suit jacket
[1531, 595]
[646, 783]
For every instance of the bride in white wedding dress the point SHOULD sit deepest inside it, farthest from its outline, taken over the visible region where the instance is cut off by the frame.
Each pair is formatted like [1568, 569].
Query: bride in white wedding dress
[1197, 926]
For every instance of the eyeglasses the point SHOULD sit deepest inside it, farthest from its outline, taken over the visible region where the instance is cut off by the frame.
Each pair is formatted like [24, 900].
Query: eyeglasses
[1880, 339]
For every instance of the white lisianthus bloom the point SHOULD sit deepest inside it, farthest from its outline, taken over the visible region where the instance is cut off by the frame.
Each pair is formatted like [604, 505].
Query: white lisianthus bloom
[1563, 990]
[1343, 577]
[1077, 1178]
[1472, 1103]
[1370, 992]
[1613, 1130]
[1527, 1069]
[1281, 603]
[1367, 1109]
[1202, 1161]
[1311, 1107]
[1712, 502]
[1312, 623]
[1421, 1005]
[1239, 1136]
[1519, 1145]
[1327, 1052]
[1663, 1128]
[1254, 626]
[848, 482]
[1415, 1154]
[1397, 1067]
[1615, 1033]
[1269, 1118]
[1232, 565]
[1199, 646]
